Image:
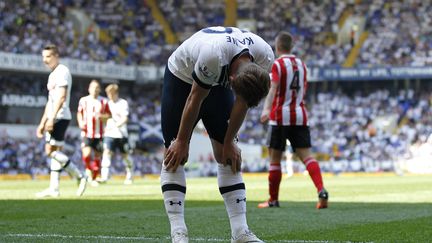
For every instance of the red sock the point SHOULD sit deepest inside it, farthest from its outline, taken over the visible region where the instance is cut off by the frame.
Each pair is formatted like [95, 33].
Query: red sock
[314, 170]
[96, 168]
[275, 176]
[87, 161]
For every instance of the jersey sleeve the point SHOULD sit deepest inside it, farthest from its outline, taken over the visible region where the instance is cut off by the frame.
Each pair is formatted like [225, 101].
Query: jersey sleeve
[61, 77]
[125, 110]
[81, 105]
[265, 57]
[275, 72]
[206, 68]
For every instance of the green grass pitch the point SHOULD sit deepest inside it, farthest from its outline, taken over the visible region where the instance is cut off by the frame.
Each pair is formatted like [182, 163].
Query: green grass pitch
[363, 208]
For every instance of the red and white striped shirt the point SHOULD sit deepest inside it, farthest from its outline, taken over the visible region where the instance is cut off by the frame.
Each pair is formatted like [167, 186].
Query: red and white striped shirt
[91, 109]
[288, 106]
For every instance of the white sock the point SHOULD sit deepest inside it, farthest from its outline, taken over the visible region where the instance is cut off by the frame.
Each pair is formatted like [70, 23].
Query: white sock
[72, 170]
[66, 164]
[174, 191]
[233, 191]
[106, 163]
[104, 173]
[129, 166]
[55, 167]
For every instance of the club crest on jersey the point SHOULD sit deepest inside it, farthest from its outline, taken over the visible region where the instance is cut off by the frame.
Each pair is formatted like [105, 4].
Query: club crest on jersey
[205, 71]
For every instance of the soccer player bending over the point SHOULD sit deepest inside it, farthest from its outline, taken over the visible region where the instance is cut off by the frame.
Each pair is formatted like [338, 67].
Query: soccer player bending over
[116, 134]
[92, 113]
[285, 111]
[212, 76]
[54, 122]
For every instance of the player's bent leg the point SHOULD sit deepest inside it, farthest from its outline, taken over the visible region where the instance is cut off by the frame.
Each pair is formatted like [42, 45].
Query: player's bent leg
[106, 163]
[96, 166]
[53, 189]
[274, 179]
[233, 191]
[314, 170]
[71, 169]
[82, 185]
[127, 161]
[86, 158]
[173, 186]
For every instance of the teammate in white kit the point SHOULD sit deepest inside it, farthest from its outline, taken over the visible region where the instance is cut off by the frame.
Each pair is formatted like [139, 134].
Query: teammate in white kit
[93, 111]
[55, 121]
[285, 111]
[212, 76]
[116, 134]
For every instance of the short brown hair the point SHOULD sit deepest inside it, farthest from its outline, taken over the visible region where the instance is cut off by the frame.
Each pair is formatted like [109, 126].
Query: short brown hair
[112, 87]
[94, 81]
[53, 48]
[252, 84]
[284, 41]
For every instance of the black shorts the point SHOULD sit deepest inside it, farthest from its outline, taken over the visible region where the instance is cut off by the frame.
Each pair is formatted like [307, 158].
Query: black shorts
[94, 143]
[299, 137]
[56, 136]
[215, 109]
[114, 144]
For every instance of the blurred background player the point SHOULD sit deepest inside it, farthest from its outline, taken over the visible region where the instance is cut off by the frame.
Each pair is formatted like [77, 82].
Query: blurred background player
[116, 134]
[211, 77]
[92, 112]
[54, 122]
[285, 111]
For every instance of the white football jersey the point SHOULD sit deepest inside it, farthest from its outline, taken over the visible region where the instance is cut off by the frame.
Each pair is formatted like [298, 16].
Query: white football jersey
[59, 77]
[118, 109]
[206, 56]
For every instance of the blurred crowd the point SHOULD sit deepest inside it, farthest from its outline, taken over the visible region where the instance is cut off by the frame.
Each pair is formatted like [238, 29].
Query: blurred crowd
[356, 126]
[366, 128]
[125, 32]
[27, 156]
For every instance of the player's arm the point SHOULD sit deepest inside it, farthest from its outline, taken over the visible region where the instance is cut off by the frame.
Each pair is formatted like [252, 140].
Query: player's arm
[275, 74]
[40, 129]
[62, 92]
[204, 75]
[80, 115]
[231, 153]
[178, 151]
[123, 120]
[265, 114]
[124, 117]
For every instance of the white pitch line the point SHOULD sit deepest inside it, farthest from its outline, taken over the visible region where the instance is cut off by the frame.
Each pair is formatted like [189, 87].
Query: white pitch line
[141, 238]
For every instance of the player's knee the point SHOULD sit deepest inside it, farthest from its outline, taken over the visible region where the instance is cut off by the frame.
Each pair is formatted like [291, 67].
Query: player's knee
[86, 151]
[49, 149]
[303, 153]
[107, 153]
[55, 165]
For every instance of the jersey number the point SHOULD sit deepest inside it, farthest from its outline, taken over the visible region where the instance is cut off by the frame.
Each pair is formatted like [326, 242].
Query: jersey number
[216, 30]
[295, 81]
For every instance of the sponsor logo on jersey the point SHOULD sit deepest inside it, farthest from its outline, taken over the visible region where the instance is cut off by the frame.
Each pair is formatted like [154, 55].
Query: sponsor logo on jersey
[205, 71]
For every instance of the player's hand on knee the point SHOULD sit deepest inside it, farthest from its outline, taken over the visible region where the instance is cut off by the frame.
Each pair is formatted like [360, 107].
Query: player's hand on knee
[232, 157]
[176, 154]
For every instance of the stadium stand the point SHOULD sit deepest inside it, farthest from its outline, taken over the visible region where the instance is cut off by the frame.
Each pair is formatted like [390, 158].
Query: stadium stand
[356, 128]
